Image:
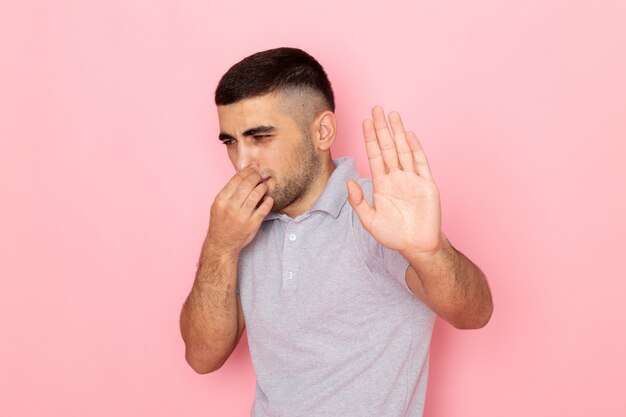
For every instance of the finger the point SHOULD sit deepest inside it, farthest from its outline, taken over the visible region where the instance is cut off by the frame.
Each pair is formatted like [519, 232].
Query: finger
[231, 186]
[405, 155]
[245, 188]
[264, 209]
[374, 155]
[385, 139]
[421, 163]
[253, 198]
[359, 204]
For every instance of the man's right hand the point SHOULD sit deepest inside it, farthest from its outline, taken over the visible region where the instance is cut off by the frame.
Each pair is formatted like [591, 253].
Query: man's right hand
[236, 214]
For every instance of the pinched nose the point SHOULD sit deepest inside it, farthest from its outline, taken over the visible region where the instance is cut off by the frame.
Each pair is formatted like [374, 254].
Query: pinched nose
[244, 159]
[243, 163]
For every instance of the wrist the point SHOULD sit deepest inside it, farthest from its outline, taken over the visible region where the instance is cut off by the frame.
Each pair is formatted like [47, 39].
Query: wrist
[214, 248]
[428, 256]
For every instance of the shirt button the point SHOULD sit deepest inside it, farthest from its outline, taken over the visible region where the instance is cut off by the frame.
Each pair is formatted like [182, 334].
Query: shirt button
[292, 237]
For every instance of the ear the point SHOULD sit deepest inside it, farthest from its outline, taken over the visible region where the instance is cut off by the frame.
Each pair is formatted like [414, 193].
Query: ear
[325, 128]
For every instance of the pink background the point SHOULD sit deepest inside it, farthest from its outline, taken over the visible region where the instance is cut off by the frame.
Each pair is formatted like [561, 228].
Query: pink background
[109, 162]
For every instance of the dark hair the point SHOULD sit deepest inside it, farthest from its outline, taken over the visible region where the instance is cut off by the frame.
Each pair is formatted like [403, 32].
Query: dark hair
[272, 71]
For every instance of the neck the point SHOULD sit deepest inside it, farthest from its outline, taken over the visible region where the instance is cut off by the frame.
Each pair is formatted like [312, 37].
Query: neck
[306, 201]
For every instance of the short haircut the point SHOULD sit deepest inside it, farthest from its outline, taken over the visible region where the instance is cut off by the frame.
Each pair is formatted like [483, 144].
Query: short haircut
[273, 71]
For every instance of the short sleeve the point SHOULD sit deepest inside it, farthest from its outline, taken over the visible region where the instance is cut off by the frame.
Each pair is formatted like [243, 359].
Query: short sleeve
[395, 263]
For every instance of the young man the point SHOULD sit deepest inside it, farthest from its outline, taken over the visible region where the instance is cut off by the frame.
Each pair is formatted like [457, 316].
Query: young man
[337, 279]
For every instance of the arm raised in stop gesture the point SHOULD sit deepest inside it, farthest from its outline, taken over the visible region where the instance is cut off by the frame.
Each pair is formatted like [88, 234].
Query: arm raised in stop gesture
[405, 216]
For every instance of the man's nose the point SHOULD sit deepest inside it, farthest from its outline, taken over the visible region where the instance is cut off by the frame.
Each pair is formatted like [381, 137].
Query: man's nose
[245, 158]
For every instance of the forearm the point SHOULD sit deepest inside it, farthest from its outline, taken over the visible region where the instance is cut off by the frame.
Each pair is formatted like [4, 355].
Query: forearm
[208, 320]
[211, 321]
[455, 288]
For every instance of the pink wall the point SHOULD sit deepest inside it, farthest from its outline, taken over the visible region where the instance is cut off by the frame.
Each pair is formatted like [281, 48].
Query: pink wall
[109, 163]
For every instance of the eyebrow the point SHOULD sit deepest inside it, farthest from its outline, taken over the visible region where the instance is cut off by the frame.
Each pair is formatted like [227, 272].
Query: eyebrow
[250, 132]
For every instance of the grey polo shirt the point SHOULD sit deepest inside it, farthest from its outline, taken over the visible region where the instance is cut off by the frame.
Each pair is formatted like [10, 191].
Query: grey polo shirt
[332, 328]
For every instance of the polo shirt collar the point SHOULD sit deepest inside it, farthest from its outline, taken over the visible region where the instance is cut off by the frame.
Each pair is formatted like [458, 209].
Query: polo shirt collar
[335, 193]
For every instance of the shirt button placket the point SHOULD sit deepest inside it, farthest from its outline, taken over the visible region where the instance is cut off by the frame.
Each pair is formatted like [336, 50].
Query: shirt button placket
[290, 259]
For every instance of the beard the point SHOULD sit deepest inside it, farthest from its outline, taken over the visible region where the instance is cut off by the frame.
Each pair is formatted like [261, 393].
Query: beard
[298, 184]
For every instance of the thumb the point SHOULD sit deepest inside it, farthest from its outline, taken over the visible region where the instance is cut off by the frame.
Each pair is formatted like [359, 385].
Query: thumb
[359, 204]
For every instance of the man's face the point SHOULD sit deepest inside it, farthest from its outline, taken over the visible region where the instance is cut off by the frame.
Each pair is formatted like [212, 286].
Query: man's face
[262, 132]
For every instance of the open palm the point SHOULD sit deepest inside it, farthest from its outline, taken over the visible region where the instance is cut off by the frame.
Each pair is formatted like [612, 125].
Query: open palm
[406, 211]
